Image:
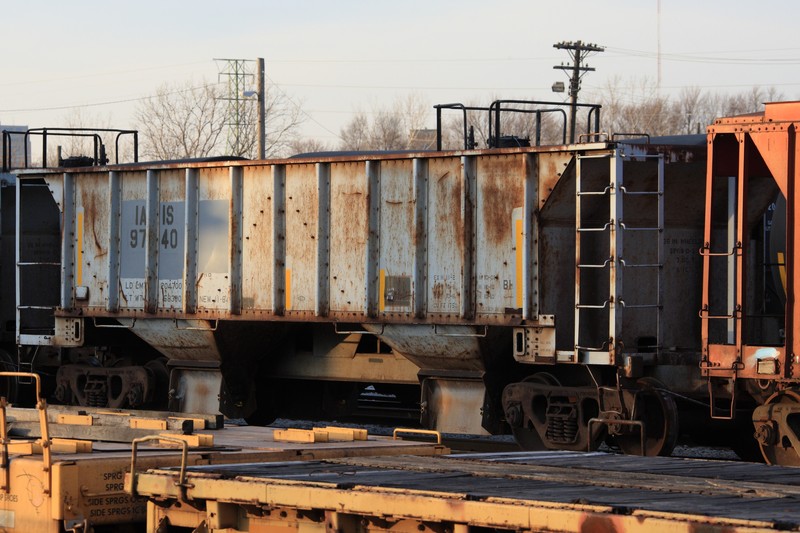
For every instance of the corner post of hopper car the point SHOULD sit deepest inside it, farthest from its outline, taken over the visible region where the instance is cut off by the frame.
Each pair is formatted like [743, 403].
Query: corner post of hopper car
[616, 260]
[775, 419]
[793, 264]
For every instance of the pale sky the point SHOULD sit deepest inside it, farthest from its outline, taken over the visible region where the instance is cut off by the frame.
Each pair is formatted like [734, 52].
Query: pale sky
[334, 57]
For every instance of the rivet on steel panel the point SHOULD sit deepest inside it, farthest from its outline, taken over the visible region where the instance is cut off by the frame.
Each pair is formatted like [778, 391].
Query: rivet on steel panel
[235, 258]
[373, 176]
[191, 224]
[151, 256]
[67, 243]
[322, 300]
[420, 196]
[530, 215]
[279, 238]
[115, 214]
[469, 179]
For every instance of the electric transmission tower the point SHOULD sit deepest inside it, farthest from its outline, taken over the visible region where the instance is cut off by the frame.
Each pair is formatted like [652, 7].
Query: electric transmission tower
[245, 79]
[578, 52]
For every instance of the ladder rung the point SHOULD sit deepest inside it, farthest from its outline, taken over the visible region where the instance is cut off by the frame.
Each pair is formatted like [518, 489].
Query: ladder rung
[640, 265]
[603, 348]
[704, 315]
[719, 317]
[595, 193]
[38, 263]
[705, 251]
[639, 306]
[605, 227]
[640, 193]
[626, 228]
[590, 306]
[589, 265]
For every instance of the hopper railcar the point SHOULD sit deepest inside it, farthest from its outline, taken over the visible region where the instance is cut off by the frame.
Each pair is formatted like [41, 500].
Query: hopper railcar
[572, 293]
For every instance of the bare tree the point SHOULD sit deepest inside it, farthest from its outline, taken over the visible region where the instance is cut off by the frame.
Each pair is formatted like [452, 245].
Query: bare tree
[638, 107]
[387, 132]
[187, 121]
[308, 146]
[399, 126]
[635, 106]
[182, 122]
[283, 118]
[693, 106]
[355, 135]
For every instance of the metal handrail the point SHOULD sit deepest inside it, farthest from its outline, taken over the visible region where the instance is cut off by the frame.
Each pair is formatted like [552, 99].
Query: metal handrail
[94, 133]
[44, 441]
[184, 461]
[414, 431]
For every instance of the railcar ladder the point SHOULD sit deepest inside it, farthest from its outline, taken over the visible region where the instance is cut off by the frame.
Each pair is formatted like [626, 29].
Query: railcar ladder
[38, 265]
[613, 231]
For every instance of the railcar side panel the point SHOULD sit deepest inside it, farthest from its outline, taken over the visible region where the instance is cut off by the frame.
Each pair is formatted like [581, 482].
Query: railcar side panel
[92, 238]
[450, 204]
[132, 241]
[258, 245]
[499, 257]
[348, 220]
[401, 235]
[302, 244]
[215, 222]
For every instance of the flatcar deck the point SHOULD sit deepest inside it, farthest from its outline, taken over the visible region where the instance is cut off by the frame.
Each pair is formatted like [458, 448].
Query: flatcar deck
[541, 491]
[82, 489]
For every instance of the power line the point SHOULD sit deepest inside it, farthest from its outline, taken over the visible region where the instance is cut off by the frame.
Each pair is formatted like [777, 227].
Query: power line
[412, 88]
[300, 109]
[98, 74]
[413, 60]
[704, 57]
[108, 102]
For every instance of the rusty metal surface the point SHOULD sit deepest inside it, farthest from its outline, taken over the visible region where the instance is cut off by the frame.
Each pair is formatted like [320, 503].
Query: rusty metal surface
[755, 156]
[546, 491]
[87, 488]
[327, 252]
[437, 254]
[467, 262]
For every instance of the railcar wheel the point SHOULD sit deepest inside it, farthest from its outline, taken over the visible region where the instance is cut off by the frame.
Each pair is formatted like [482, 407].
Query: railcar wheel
[776, 446]
[526, 435]
[160, 379]
[659, 415]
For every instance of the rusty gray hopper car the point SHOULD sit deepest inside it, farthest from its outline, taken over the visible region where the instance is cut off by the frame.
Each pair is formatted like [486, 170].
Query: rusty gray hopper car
[562, 274]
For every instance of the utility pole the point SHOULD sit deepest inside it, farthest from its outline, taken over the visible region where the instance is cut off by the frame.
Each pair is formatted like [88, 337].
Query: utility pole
[578, 52]
[239, 76]
[262, 108]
